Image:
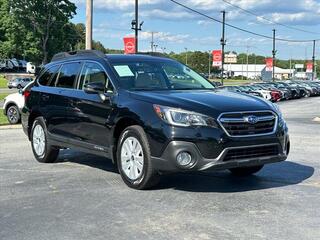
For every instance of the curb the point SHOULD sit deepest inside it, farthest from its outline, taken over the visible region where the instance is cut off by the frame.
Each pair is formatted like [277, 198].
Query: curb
[6, 127]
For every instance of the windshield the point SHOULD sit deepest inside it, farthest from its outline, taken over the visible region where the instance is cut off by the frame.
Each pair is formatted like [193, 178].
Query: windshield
[159, 75]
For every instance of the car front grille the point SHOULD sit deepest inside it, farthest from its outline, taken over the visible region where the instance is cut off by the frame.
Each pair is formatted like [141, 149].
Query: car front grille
[251, 152]
[248, 123]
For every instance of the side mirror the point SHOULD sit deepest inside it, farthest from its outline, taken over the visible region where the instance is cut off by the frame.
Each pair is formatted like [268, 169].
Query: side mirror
[94, 88]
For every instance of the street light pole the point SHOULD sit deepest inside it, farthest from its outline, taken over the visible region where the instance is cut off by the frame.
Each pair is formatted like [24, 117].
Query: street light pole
[137, 22]
[186, 55]
[313, 60]
[247, 62]
[136, 26]
[223, 43]
[274, 55]
[89, 13]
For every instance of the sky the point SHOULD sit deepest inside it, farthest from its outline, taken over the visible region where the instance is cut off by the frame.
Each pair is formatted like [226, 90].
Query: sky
[178, 29]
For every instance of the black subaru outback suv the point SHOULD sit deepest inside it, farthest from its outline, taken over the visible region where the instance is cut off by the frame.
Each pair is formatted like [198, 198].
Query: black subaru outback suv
[149, 115]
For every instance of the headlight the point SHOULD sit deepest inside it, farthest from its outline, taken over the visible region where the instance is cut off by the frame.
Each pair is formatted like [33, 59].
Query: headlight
[182, 118]
[281, 120]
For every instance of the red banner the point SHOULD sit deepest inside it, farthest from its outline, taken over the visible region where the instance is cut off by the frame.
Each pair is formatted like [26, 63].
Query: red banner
[269, 64]
[309, 67]
[217, 58]
[129, 45]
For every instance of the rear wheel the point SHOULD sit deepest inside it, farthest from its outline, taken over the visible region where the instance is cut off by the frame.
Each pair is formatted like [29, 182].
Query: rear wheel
[134, 159]
[13, 114]
[42, 150]
[245, 171]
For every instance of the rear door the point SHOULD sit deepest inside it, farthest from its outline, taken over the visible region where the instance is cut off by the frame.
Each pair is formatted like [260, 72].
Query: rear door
[47, 98]
[65, 109]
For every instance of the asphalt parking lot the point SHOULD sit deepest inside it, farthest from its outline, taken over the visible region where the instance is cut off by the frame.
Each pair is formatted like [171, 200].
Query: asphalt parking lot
[82, 197]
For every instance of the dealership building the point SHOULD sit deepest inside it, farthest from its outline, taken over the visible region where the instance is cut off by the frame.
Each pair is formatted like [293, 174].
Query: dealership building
[257, 71]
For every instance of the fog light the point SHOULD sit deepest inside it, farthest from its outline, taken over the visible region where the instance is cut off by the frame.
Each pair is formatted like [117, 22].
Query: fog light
[184, 159]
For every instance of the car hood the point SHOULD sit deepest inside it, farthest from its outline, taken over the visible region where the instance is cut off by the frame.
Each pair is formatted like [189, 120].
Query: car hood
[210, 102]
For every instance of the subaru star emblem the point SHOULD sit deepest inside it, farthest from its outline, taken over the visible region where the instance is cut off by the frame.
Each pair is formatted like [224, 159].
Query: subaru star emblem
[251, 119]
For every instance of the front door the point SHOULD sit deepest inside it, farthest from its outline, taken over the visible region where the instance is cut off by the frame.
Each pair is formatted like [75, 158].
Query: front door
[92, 113]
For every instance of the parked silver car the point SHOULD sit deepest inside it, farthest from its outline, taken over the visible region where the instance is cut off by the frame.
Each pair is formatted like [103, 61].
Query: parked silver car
[19, 83]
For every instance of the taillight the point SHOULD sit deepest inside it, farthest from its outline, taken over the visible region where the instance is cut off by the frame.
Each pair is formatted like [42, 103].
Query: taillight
[26, 95]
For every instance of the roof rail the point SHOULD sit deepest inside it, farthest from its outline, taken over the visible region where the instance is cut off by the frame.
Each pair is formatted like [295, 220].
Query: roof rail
[80, 53]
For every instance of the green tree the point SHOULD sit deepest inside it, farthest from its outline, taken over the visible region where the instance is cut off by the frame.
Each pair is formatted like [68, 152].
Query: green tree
[45, 19]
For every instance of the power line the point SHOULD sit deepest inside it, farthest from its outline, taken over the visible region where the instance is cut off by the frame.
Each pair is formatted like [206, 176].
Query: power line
[266, 19]
[238, 28]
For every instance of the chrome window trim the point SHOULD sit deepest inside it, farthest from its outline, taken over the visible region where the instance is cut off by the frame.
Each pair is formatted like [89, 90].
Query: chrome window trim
[241, 120]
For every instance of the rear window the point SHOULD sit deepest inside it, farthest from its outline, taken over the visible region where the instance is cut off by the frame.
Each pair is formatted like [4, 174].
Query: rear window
[48, 76]
[68, 75]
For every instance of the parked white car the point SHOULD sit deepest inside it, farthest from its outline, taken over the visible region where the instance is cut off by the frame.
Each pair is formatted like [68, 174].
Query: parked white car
[12, 107]
[6, 65]
[265, 93]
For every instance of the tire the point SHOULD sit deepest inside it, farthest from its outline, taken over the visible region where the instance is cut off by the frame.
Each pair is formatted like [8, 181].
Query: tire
[245, 171]
[308, 94]
[134, 163]
[13, 114]
[44, 153]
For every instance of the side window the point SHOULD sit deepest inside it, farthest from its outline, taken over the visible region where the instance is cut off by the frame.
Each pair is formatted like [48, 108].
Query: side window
[68, 75]
[93, 73]
[48, 75]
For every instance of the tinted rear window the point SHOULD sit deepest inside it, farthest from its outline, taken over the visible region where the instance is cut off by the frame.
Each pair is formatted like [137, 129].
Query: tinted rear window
[47, 76]
[68, 75]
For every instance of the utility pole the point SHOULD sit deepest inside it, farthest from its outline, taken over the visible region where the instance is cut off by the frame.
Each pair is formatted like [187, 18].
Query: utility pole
[186, 55]
[89, 13]
[223, 43]
[155, 47]
[274, 52]
[136, 26]
[152, 41]
[314, 60]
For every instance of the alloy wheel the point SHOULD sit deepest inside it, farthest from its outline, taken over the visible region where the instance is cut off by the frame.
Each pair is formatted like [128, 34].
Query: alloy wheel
[13, 115]
[39, 140]
[132, 158]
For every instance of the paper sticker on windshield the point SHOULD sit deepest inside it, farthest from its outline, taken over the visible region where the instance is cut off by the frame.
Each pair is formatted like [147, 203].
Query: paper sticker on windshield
[124, 71]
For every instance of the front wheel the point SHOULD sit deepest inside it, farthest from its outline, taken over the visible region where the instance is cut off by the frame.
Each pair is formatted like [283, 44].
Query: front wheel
[42, 150]
[245, 171]
[134, 159]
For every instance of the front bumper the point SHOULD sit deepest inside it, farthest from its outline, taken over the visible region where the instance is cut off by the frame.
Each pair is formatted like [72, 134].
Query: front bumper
[217, 155]
[167, 162]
